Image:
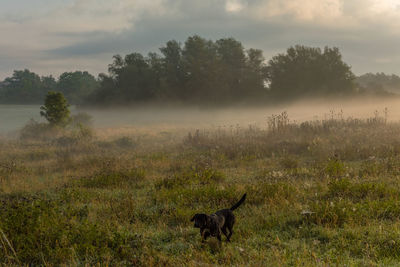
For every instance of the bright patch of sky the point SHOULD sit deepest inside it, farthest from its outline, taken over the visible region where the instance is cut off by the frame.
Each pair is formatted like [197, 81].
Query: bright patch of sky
[234, 6]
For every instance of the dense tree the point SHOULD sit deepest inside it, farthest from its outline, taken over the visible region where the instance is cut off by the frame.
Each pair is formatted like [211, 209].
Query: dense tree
[232, 63]
[255, 75]
[106, 92]
[55, 109]
[173, 76]
[76, 86]
[135, 79]
[307, 71]
[25, 87]
[379, 83]
[200, 71]
[199, 58]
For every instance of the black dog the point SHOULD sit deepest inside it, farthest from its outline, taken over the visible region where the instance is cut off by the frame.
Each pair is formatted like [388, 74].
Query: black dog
[217, 222]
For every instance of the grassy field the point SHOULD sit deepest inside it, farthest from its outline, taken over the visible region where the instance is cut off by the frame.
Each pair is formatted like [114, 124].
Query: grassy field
[319, 193]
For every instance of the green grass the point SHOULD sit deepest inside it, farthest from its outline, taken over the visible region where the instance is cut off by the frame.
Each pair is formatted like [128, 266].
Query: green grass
[320, 193]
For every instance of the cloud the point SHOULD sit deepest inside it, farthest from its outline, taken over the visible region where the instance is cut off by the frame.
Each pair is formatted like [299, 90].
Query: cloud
[305, 10]
[102, 15]
[29, 36]
[63, 34]
[234, 6]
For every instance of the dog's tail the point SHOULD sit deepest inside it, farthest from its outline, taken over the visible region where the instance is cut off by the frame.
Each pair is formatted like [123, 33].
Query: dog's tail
[239, 202]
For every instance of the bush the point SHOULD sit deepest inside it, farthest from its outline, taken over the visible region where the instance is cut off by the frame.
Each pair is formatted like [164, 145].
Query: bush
[34, 130]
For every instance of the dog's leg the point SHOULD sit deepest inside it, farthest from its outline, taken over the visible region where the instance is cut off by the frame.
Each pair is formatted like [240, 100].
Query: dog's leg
[206, 235]
[202, 233]
[224, 232]
[219, 235]
[230, 233]
[219, 238]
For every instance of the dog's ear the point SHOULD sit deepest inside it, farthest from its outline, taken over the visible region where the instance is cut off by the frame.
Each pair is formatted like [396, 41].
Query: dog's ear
[193, 218]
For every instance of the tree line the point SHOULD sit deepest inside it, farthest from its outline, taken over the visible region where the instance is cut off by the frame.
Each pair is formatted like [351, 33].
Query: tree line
[197, 71]
[379, 83]
[26, 87]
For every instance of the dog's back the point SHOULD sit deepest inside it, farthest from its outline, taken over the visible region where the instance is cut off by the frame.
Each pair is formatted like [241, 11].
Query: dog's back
[228, 216]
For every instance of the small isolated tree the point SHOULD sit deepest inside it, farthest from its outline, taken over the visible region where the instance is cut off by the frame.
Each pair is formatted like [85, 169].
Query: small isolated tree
[55, 109]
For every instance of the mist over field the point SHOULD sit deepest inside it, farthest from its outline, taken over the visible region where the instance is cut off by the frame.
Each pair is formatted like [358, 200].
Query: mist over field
[14, 117]
[205, 117]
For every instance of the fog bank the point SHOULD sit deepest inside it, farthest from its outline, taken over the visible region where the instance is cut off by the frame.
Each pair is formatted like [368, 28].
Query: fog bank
[14, 117]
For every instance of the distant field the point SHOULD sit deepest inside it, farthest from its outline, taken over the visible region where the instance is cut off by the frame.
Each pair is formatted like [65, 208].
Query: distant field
[320, 193]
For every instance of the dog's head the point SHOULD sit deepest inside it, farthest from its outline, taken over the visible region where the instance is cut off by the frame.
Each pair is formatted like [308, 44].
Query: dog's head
[200, 220]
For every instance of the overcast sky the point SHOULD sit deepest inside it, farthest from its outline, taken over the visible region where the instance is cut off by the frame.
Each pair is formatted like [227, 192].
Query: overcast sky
[53, 36]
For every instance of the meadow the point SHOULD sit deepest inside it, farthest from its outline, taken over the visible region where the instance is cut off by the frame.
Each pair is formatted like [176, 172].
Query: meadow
[319, 193]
